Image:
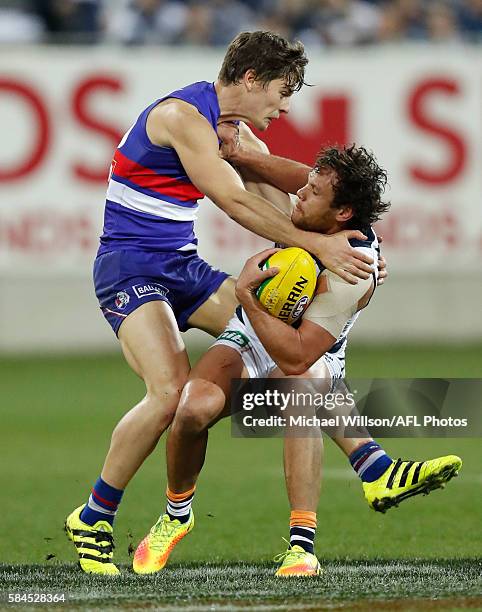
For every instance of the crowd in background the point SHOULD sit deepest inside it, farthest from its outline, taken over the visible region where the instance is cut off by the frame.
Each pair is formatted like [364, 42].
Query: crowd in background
[322, 23]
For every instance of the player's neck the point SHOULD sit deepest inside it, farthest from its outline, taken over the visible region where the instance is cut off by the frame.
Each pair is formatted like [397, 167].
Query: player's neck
[230, 98]
[338, 227]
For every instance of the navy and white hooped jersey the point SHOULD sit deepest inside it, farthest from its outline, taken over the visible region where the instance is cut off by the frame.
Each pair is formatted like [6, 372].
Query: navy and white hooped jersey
[370, 247]
[151, 203]
[334, 307]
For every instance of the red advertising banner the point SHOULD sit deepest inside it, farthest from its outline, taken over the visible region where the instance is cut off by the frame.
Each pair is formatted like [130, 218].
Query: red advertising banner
[62, 115]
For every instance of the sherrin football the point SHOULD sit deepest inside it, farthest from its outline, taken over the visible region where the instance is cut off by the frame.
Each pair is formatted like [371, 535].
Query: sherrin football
[287, 295]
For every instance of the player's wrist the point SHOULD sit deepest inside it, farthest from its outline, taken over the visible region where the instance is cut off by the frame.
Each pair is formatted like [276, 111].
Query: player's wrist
[314, 243]
[245, 297]
[248, 299]
[243, 292]
[243, 156]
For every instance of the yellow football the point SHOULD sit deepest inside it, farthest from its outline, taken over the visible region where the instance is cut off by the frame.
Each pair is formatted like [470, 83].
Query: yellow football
[287, 295]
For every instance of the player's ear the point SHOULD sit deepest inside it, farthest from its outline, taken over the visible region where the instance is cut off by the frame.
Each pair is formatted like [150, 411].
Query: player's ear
[249, 79]
[344, 214]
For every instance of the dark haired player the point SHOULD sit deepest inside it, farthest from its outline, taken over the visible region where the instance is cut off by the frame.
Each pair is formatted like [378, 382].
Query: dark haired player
[148, 278]
[344, 188]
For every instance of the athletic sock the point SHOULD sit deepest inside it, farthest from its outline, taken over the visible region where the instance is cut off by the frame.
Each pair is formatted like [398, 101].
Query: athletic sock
[179, 505]
[370, 461]
[103, 503]
[303, 529]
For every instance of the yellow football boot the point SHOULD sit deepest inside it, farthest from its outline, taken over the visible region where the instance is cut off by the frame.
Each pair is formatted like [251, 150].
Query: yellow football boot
[404, 479]
[297, 562]
[94, 544]
[154, 550]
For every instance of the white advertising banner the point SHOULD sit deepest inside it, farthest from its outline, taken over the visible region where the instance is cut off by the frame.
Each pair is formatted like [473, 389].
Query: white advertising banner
[63, 111]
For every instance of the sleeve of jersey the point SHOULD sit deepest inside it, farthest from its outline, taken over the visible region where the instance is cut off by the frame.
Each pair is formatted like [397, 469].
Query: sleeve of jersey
[333, 308]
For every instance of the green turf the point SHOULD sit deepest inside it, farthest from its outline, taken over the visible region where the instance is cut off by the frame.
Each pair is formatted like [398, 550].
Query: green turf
[57, 415]
[421, 361]
[409, 585]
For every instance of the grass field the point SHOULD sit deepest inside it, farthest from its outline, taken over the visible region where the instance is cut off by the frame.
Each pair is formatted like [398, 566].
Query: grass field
[57, 415]
[350, 585]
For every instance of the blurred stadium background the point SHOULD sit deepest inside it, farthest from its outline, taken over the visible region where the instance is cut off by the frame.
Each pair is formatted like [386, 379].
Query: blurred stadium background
[401, 77]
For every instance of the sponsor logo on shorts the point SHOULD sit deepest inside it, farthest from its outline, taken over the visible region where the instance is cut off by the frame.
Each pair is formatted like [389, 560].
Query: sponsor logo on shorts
[236, 337]
[146, 289]
[300, 307]
[121, 300]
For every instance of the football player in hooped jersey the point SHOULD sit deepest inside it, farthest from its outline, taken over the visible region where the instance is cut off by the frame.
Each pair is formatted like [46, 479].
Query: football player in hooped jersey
[344, 188]
[148, 278]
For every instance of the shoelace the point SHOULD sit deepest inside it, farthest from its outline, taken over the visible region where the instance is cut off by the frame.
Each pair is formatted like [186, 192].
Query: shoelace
[296, 554]
[161, 532]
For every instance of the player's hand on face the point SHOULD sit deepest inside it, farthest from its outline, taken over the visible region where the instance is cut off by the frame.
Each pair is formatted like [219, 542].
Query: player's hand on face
[228, 132]
[252, 276]
[340, 257]
[237, 141]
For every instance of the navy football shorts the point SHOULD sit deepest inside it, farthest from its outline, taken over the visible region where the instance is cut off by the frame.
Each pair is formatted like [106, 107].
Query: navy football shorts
[124, 280]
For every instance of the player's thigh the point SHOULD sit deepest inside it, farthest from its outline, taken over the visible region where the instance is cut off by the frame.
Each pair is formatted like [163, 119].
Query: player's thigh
[318, 370]
[317, 377]
[214, 314]
[219, 365]
[131, 360]
[153, 347]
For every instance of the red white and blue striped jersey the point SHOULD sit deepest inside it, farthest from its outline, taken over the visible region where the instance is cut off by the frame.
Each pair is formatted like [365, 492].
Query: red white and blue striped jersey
[151, 203]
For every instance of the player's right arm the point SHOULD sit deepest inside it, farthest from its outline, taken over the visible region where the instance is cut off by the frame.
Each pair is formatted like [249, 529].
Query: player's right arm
[296, 350]
[180, 126]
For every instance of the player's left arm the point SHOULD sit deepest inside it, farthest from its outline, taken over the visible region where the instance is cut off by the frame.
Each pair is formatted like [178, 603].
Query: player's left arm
[296, 350]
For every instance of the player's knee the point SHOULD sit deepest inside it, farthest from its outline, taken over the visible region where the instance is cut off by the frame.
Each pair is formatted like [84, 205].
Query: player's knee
[201, 403]
[164, 395]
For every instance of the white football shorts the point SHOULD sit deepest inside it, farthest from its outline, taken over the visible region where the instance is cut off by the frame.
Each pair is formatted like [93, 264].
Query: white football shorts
[240, 336]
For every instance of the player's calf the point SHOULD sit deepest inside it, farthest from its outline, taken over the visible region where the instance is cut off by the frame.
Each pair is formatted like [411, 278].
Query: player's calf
[201, 403]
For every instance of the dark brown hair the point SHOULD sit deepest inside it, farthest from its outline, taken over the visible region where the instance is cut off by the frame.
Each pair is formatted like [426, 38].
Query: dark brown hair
[269, 55]
[360, 183]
